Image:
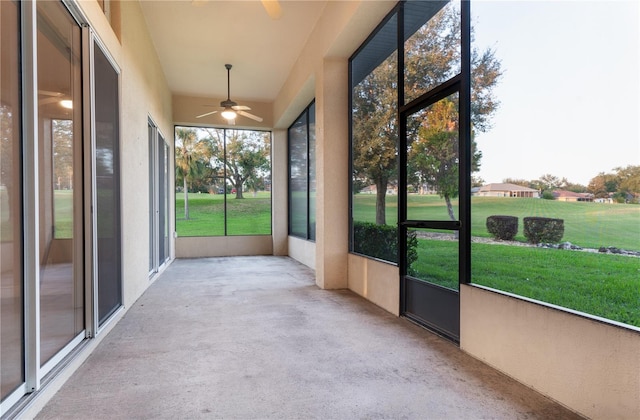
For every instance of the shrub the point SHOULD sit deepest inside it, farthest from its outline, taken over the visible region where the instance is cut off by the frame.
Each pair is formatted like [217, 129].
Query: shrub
[381, 241]
[548, 195]
[503, 228]
[543, 229]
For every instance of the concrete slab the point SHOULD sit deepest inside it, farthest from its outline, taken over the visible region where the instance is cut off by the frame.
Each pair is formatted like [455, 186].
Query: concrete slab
[253, 337]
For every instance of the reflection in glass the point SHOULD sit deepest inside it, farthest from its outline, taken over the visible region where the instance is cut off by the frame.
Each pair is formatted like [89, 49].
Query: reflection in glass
[11, 281]
[60, 133]
[436, 257]
[432, 45]
[433, 164]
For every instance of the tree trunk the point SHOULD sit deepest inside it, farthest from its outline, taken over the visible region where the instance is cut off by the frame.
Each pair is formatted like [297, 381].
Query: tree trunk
[186, 198]
[452, 216]
[447, 200]
[239, 182]
[381, 197]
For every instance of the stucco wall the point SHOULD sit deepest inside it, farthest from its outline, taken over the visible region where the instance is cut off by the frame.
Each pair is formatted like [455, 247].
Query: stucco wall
[303, 251]
[144, 93]
[375, 281]
[223, 246]
[587, 365]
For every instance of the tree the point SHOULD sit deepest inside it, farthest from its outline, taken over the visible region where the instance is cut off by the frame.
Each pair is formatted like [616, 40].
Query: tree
[431, 57]
[434, 152]
[192, 157]
[629, 179]
[375, 132]
[246, 161]
[602, 184]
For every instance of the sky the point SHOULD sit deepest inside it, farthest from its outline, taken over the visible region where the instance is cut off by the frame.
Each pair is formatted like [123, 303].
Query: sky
[570, 92]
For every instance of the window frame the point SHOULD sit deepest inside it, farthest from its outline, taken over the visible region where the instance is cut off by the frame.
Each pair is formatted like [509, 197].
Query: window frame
[310, 231]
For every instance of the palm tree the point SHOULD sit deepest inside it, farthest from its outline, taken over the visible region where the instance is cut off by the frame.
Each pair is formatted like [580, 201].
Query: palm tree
[192, 156]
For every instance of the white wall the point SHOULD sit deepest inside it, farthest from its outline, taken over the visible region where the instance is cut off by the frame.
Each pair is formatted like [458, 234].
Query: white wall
[587, 365]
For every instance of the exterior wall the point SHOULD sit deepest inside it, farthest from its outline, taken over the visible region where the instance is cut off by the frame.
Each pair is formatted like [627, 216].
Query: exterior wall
[303, 251]
[321, 72]
[144, 93]
[280, 192]
[332, 164]
[375, 281]
[587, 365]
[223, 246]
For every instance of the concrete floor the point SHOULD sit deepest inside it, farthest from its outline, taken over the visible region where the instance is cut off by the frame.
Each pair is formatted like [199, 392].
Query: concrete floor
[253, 337]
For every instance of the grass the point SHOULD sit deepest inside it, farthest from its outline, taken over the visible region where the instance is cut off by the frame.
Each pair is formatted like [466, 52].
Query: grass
[589, 225]
[249, 216]
[598, 284]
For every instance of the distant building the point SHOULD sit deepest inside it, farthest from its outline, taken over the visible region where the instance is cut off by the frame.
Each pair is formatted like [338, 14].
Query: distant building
[507, 190]
[562, 195]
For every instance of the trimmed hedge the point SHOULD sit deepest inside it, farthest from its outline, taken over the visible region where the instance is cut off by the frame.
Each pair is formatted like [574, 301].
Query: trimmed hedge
[503, 228]
[381, 241]
[543, 229]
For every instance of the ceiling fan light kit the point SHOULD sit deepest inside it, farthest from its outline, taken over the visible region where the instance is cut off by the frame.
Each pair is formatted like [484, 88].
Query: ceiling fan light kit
[232, 109]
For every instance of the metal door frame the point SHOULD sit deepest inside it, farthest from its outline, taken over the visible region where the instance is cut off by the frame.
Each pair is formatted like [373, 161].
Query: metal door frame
[442, 303]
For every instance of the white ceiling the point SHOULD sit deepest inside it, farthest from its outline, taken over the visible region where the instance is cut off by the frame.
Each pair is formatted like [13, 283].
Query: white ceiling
[195, 39]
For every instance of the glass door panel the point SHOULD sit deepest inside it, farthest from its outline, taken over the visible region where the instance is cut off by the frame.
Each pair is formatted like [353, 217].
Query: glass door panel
[431, 268]
[433, 159]
[435, 259]
[60, 169]
[107, 170]
[11, 222]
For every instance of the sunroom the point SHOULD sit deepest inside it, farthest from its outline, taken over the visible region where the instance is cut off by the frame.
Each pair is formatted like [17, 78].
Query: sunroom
[359, 131]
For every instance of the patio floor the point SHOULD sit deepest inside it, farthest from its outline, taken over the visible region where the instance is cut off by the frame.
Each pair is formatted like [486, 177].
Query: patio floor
[253, 337]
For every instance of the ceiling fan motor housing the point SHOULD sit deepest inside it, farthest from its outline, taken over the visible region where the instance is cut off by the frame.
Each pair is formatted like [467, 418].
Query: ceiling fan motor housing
[228, 103]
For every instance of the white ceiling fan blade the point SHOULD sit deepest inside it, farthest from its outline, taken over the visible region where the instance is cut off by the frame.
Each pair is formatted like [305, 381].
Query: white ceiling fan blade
[253, 117]
[49, 100]
[205, 114]
[273, 8]
[241, 108]
[50, 93]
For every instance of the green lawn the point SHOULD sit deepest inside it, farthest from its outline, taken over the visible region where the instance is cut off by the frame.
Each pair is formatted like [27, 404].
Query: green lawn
[589, 225]
[248, 216]
[599, 284]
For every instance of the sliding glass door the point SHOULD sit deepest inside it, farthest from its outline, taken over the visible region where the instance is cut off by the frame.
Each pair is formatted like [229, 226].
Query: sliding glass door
[12, 374]
[60, 178]
[159, 159]
[106, 165]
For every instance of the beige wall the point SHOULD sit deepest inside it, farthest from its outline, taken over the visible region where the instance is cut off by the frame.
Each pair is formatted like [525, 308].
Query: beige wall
[303, 251]
[321, 72]
[587, 365]
[223, 246]
[187, 108]
[376, 281]
[144, 93]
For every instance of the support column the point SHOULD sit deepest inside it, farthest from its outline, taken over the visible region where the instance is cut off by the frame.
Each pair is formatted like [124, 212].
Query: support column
[279, 186]
[332, 174]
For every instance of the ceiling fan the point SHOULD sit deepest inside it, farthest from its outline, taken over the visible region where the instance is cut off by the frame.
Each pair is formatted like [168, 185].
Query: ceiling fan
[231, 108]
